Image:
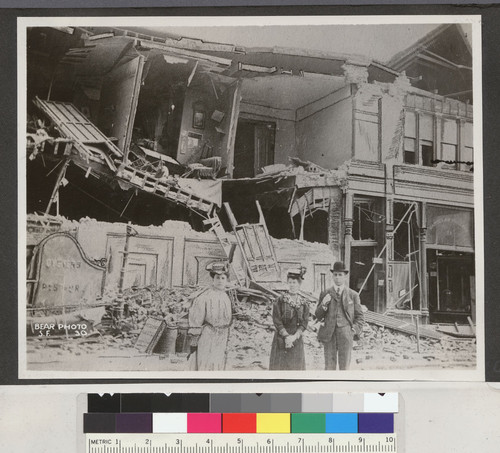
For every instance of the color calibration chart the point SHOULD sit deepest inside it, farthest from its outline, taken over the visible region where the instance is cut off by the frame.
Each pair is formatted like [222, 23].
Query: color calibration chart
[242, 423]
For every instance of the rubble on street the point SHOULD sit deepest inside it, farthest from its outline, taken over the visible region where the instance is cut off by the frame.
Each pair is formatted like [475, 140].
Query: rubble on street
[112, 346]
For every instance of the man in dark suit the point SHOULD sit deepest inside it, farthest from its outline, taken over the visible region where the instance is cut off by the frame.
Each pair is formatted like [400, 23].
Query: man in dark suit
[340, 310]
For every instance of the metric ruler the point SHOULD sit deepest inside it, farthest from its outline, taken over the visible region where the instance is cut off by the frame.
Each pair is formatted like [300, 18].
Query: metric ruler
[241, 443]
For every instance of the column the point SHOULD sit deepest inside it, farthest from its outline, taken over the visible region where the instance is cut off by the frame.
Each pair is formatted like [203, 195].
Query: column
[348, 220]
[335, 221]
[424, 291]
[389, 252]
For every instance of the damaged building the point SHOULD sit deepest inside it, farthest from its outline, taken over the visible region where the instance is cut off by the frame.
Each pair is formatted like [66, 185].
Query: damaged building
[372, 161]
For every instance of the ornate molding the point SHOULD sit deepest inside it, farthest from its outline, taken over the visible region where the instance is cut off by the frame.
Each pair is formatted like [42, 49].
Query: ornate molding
[348, 227]
[454, 175]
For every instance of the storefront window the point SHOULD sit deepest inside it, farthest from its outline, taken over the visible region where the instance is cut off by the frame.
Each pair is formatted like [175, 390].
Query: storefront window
[450, 227]
[365, 219]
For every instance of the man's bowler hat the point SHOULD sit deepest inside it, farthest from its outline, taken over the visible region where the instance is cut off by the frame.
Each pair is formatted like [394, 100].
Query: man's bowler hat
[339, 267]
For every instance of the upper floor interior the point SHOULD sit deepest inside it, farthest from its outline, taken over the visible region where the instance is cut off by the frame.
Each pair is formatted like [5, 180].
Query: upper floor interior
[246, 108]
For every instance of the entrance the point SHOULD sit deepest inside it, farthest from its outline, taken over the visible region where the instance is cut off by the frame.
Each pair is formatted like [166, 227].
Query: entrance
[451, 285]
[361, 262]
[159, 115]
[253, 148]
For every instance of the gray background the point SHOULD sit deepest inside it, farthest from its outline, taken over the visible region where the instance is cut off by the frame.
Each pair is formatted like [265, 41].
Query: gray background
[8, 131]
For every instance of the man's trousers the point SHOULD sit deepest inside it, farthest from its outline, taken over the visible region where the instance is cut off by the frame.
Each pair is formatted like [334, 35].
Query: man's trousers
[339, 345]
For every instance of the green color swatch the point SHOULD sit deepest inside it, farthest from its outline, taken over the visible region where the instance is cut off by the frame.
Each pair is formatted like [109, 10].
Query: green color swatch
[308, 423]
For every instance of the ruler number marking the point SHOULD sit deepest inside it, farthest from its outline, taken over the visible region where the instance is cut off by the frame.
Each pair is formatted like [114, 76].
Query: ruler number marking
[155, 443]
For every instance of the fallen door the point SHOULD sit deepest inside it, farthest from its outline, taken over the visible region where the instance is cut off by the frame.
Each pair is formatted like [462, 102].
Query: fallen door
[119, 96]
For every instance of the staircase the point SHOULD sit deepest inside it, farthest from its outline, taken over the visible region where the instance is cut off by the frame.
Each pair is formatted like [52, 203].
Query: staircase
[166, 189]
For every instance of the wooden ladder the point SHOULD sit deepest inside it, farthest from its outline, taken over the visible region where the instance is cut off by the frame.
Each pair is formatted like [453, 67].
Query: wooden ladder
[256, 247]
[228, 247]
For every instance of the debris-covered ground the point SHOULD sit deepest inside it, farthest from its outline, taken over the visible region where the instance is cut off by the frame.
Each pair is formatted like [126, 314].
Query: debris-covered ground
[111, 346]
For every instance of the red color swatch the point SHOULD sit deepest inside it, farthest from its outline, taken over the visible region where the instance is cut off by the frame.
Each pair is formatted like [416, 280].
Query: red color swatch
[239, 423]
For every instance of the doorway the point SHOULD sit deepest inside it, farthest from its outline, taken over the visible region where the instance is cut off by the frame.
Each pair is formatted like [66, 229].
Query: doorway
[253, 148]
[159, 116]
[118, 102]
[361, 263]
[451, 285]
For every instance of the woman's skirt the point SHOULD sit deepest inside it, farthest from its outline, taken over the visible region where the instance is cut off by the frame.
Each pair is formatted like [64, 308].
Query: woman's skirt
[211, 353]
[287, 359]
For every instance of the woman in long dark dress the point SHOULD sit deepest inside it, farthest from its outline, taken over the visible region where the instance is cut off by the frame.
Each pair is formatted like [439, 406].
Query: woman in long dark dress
[290, 317]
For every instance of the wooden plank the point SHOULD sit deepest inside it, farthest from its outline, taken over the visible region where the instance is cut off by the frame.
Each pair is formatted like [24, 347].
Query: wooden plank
[150, 334]
[400, 326]
[186, 53]
[232, 221]
[264, 240]
[259, 244]
[268, 236]
[244, 229]
[471, 324]
[464, 332]
[230, 138]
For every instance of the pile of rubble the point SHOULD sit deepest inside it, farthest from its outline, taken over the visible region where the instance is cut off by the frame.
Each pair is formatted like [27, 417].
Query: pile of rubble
[251, 335]
[170, 304]
[380, 348]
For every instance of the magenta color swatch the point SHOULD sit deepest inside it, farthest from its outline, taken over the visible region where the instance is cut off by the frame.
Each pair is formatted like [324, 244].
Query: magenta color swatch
[204, 423]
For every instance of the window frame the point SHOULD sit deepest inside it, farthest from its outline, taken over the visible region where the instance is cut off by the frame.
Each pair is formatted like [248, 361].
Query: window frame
[357, 238]
[438, 141]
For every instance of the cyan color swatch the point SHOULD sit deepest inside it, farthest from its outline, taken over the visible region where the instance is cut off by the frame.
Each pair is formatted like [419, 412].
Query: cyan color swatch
[342, 423]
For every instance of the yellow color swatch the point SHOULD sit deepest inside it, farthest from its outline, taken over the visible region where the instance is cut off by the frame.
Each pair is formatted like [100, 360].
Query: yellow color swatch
[273, 423]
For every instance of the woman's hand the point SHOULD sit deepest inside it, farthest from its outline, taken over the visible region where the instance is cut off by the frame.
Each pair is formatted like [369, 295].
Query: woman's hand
[290, 340]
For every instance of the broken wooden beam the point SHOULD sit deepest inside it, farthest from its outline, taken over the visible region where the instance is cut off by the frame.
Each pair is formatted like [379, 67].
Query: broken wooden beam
[398, 325]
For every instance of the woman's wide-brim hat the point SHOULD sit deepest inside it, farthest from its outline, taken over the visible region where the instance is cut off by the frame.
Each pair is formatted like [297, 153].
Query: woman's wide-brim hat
[338, 266]
[296, 272]
[218, 267]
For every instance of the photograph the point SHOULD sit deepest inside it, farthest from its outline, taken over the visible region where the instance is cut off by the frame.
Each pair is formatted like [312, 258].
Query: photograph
[250, 197]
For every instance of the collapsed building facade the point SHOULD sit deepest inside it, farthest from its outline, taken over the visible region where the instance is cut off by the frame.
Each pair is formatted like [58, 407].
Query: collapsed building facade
[342, 150]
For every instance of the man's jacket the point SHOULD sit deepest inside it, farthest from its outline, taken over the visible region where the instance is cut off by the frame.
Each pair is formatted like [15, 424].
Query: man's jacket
[349, 303]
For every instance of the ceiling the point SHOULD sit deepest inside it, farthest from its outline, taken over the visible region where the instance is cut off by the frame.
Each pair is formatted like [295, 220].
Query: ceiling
[288, 92]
